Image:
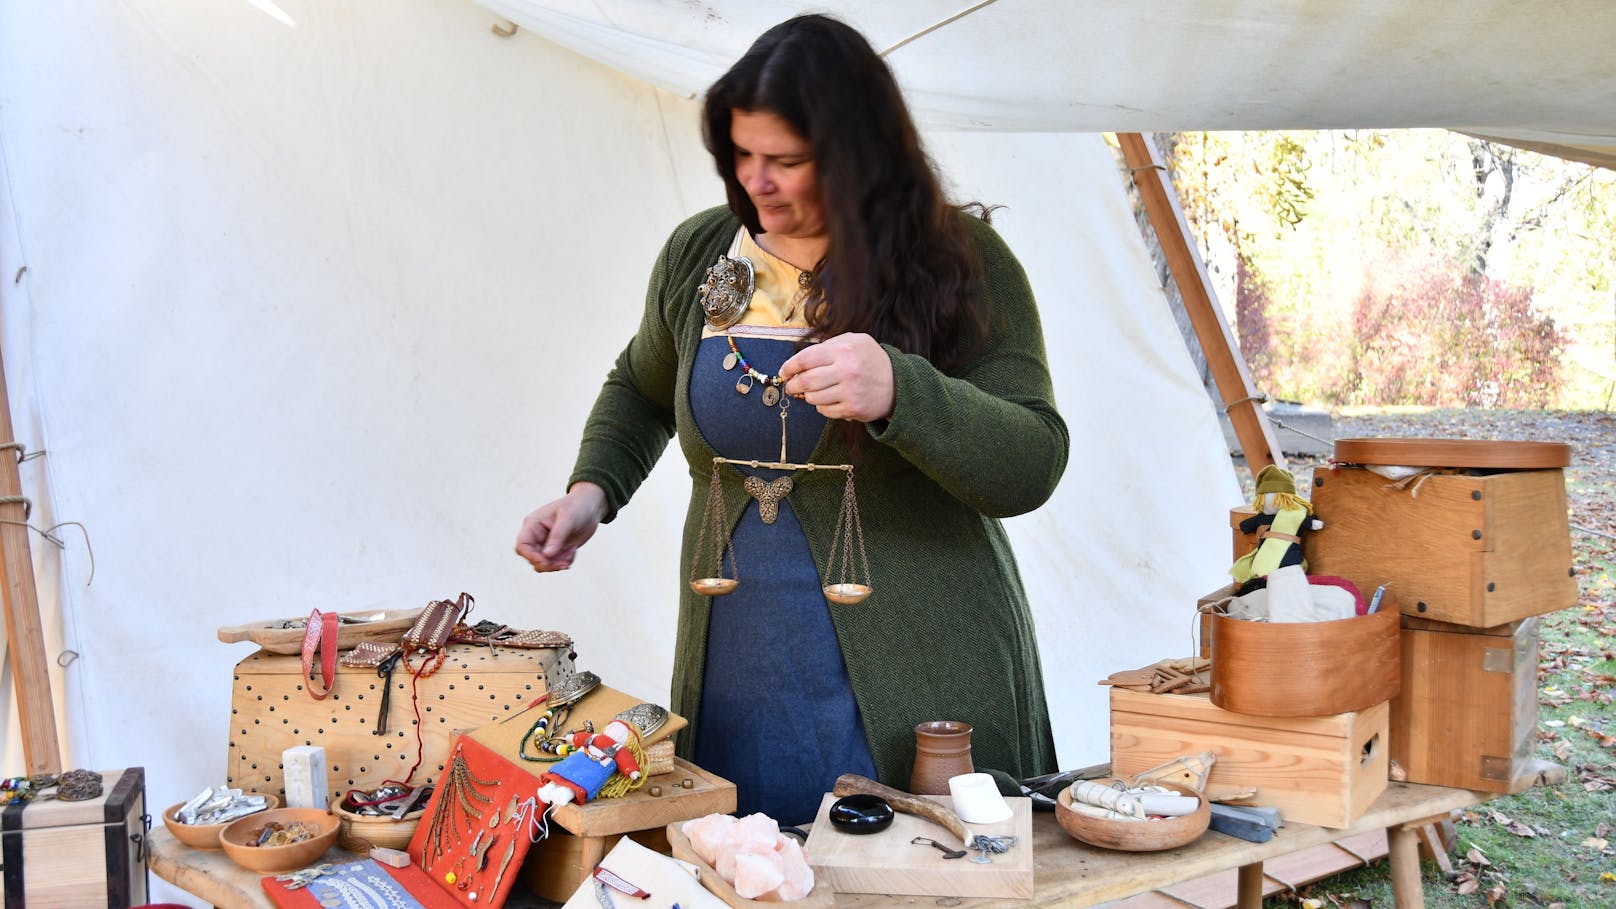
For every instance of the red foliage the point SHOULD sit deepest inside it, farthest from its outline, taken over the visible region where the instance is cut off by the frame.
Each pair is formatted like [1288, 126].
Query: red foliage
[1426, 332]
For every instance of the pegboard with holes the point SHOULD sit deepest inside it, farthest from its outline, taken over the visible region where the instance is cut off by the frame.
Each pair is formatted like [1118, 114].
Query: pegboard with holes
[271, 710]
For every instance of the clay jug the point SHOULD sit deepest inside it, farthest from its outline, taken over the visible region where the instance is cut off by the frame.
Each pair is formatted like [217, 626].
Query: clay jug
[942, 750]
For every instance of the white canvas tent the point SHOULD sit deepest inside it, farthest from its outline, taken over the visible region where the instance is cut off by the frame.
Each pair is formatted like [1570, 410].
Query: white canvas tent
[305, 300]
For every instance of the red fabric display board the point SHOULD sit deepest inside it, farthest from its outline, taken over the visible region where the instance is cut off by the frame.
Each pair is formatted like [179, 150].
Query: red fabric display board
[478, 826]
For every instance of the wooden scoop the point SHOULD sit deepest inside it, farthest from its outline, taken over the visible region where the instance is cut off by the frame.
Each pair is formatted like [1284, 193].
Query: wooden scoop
[853, 784]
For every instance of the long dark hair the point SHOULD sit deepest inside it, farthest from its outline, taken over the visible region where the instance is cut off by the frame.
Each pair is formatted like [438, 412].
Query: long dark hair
[899, 265]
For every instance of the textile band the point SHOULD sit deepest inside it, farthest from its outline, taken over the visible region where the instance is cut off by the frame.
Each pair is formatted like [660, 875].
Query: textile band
[1267, 532]
[320, 635]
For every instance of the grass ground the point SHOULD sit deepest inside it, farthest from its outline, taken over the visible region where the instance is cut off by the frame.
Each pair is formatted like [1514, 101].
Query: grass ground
[1546, 847]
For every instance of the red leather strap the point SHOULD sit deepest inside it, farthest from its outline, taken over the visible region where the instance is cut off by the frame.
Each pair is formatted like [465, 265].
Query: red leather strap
[320, 636]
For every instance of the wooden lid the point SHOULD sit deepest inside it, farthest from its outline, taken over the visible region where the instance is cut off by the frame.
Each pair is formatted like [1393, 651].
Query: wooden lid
[1454, 453]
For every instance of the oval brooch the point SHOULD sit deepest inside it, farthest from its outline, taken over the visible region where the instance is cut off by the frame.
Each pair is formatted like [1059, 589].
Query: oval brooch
[726, 291]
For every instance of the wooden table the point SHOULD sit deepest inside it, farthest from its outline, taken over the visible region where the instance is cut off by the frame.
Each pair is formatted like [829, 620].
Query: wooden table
[1068, 874]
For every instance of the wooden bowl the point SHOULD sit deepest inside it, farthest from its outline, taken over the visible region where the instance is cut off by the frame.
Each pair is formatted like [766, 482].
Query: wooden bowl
[206, 836]
[384, 626]
[1130, 835]
[237, 836]
[361, 832]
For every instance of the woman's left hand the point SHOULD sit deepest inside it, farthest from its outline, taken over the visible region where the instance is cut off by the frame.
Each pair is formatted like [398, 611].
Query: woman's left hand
[848, 377]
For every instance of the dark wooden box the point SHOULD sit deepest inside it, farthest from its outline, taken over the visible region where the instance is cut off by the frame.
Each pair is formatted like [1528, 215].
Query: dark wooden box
[77, 855]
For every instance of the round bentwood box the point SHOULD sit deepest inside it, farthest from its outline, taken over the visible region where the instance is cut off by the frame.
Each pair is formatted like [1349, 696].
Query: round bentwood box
[1293, 669]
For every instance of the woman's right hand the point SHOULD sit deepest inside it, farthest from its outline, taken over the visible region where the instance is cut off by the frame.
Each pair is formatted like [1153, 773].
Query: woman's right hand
[551, 535]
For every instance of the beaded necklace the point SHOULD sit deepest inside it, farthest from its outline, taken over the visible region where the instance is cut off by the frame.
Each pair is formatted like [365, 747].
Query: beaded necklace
[546, 737]
[750, 374]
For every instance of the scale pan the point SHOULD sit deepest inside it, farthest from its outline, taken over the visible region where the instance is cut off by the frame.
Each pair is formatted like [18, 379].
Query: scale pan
[847, 594]
[713, 587]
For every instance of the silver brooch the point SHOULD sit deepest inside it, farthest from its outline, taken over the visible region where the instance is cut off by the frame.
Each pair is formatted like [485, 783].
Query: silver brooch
[572, 688]
[647, 718]
[726, 291]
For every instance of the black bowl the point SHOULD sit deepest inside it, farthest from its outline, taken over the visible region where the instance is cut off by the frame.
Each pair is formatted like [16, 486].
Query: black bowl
[861, 814]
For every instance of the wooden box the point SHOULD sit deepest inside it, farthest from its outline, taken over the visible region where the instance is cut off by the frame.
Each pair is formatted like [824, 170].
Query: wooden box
[1469, 550]
[1467, 713]
[271, 710]
[77, 855]
[1315, 770]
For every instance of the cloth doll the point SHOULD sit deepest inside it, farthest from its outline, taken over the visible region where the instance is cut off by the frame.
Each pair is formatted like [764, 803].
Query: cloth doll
[1281, 520]
[594, 758]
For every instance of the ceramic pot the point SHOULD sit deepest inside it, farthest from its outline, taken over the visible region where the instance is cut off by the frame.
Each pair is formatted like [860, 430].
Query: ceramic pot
[942, 751]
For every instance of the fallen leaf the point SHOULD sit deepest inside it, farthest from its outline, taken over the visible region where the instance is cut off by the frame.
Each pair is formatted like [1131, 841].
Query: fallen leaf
[1602, 829]
[1596, 842]
[1495, 894]
[1467, 887]
[1520, 829]
[1607, 876]
[1474, 856]
[1311, 903]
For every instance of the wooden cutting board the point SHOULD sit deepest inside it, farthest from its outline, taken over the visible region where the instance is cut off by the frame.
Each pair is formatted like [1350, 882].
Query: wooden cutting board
[887, 862]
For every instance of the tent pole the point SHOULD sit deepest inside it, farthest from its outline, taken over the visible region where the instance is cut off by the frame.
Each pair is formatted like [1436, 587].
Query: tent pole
[25, 636]
[1250, 421]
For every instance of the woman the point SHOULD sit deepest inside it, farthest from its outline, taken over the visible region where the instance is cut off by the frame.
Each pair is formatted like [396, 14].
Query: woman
[905, 338]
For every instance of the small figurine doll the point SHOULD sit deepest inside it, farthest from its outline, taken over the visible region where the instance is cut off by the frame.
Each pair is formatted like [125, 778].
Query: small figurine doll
[1281, 520]
[595, 756]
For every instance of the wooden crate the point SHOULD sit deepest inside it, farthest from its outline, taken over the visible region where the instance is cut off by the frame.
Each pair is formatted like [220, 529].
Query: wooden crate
[271, 711]
[77, 855]
[554, 871]
[1315, 770]
[1469, 550]
[1468, 708]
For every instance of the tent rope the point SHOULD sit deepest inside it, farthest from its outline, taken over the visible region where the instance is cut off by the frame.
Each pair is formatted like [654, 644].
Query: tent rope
[931, 28]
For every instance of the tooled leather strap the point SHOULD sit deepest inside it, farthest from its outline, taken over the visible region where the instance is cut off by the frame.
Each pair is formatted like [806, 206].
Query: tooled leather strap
[320, 635]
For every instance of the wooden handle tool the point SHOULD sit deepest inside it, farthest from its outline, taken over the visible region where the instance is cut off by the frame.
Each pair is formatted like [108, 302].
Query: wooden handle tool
[853, 784]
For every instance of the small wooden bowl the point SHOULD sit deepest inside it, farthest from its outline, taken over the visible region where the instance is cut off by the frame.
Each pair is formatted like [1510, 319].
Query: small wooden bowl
[368, 830]
[206, 836]
[1130, 835]
[238, 835]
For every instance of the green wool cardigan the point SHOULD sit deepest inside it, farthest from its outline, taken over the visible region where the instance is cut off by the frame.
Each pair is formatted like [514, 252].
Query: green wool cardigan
[947, 633]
